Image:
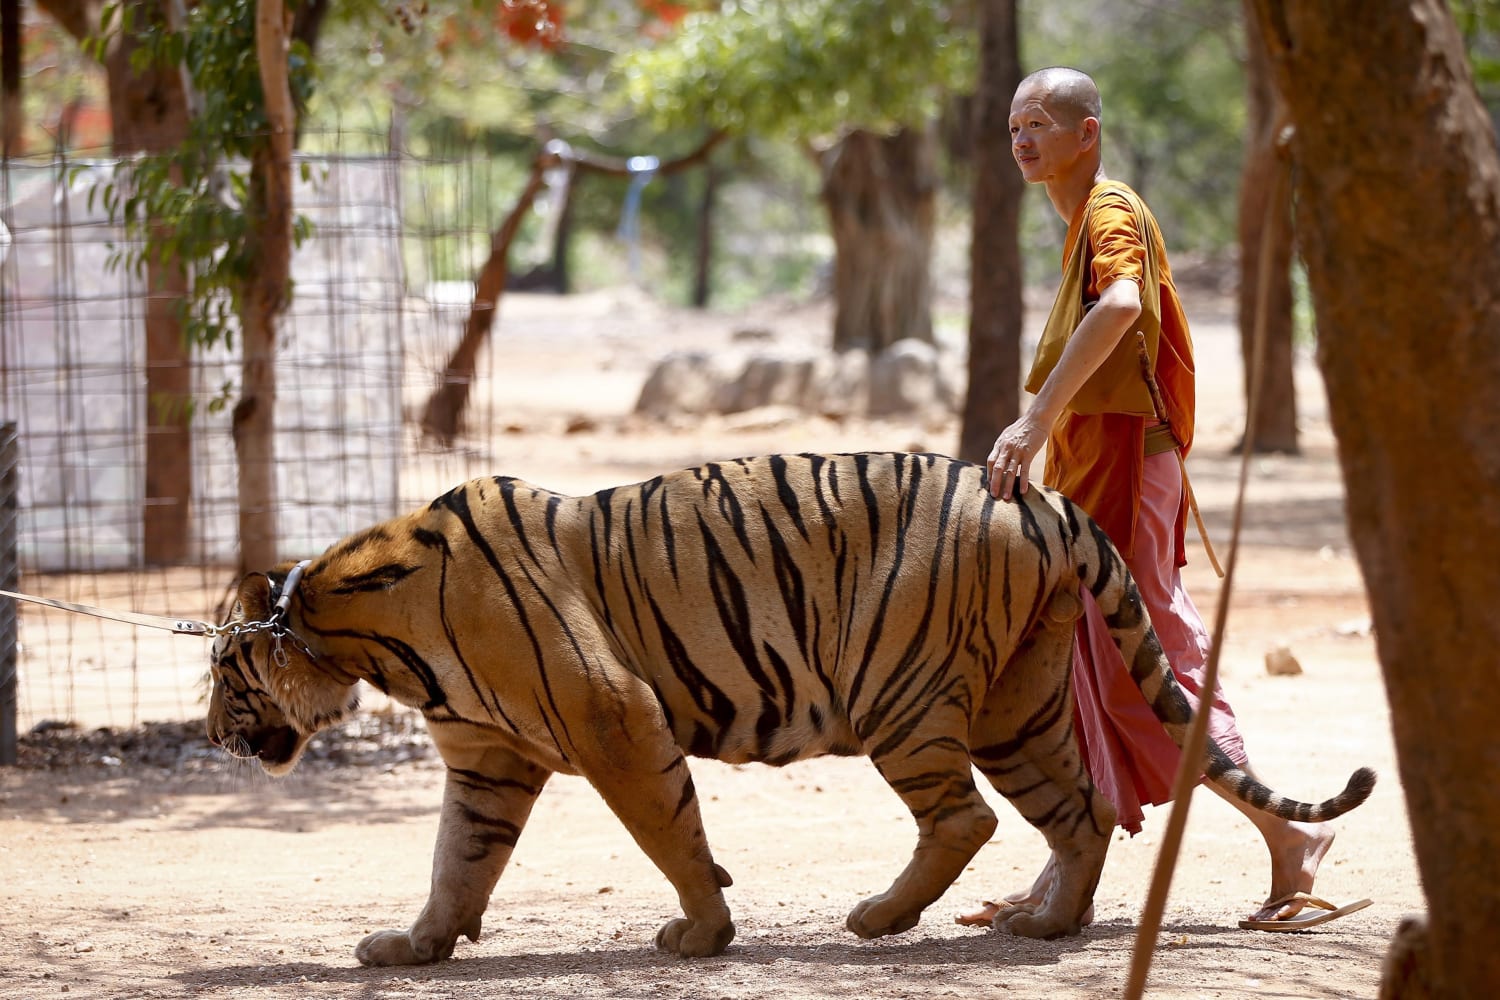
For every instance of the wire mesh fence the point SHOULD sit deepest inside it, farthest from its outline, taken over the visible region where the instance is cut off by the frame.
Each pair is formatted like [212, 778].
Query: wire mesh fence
[381, 292]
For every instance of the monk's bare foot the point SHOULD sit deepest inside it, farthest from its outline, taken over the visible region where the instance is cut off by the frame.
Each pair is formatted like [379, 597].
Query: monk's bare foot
[988, 911]
[1296, 851]
[982, 917]
[985, 915]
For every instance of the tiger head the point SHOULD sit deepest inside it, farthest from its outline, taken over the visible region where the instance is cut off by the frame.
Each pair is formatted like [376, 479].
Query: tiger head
[270, 691]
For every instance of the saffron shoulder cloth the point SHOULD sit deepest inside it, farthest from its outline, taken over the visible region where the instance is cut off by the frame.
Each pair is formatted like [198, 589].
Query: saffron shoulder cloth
[1117, 386]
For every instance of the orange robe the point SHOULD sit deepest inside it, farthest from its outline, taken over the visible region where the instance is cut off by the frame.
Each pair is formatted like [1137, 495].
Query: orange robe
[1097, 459]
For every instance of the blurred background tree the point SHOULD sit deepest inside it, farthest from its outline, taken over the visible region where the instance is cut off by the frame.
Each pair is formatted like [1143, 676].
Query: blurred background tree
[856, 85]
[850, 169]
[451, 77]
[209, 197]
[1174, 101]
[137, 110]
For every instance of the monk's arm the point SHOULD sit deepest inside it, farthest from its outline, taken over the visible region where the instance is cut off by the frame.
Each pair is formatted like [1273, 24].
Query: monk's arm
[1118, 307]
[1009, 462]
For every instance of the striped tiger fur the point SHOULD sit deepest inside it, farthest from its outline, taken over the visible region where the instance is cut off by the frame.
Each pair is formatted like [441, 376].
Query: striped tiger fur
[766, 609]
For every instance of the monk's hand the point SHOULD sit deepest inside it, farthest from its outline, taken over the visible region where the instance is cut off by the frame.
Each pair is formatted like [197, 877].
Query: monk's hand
[1008, 468]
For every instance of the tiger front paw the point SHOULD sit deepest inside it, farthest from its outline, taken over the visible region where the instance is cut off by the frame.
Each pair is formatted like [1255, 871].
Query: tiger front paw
[880, 915]
[694, 939]
[403, 948]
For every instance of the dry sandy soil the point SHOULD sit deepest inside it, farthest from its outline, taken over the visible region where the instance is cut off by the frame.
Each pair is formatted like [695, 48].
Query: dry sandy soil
[145, 865]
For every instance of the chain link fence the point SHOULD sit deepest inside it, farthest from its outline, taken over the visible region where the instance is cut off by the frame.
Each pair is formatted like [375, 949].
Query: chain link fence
[381, 292]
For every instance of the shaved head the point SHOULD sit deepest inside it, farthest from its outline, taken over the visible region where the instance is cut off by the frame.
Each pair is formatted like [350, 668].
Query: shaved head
[1069, 94]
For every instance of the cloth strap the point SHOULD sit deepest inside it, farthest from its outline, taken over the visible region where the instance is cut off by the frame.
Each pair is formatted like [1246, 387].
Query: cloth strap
[1159, 439]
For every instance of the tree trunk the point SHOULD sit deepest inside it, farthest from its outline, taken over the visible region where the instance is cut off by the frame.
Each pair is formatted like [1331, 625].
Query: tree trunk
[149, 114]
[10, 77]
[169, 435]
[562, 240]
[996, 308]
[1398, 211]
[703, 269]
[442, 417]
[880, 192]
[270, 242]
[1275, 427]
[254, 424]
[552, 275]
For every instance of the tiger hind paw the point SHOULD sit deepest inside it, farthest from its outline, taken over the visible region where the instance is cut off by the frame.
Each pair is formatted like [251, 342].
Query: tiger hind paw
[398, 948]
[694, 939]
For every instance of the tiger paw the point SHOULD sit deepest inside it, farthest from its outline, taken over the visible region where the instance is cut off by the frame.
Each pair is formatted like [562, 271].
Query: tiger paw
[1025, 921]
[693, 939]
[399, 948]
[879, 916]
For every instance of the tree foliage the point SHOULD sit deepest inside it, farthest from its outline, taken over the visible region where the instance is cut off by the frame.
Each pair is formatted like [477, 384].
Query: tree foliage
[188, 205]
[1172, 78]
[476, 70]
[804, 68]
[1479, 23]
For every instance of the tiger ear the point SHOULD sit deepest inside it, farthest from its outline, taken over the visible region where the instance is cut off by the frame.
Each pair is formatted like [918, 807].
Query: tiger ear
[255, 597]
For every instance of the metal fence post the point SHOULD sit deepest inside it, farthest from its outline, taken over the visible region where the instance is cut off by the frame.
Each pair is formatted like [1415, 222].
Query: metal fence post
[9, 580]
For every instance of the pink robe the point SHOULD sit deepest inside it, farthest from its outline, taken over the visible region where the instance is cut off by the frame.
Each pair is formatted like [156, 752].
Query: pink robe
[1128, 754]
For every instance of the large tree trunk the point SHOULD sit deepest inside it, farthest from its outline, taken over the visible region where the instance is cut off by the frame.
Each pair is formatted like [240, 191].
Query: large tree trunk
[270, 238]
[880, 192]
[995, 284]
[1275, 427]
[169, 437]
[1398, 211]
[149, 114]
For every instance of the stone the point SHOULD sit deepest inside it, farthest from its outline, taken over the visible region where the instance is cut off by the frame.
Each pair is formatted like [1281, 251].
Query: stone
[1281, 663]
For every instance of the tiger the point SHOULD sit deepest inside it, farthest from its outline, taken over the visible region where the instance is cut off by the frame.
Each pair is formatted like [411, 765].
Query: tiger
[765, 609]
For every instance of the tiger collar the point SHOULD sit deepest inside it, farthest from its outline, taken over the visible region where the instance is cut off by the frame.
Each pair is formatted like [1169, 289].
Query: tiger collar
[276, 622]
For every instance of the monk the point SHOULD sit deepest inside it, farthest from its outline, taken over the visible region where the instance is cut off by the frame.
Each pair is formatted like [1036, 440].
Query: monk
[1111, 450]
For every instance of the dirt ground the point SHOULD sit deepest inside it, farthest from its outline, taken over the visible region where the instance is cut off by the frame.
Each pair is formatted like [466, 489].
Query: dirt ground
[145, 865]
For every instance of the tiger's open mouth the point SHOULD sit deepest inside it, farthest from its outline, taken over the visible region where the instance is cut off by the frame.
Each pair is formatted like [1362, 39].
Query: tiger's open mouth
[276, 746]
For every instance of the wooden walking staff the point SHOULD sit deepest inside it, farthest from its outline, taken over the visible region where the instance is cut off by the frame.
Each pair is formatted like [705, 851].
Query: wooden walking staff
[1160, 406]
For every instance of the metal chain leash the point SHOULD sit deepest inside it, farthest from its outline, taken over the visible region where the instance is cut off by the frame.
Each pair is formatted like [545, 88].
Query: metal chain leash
[275, 623]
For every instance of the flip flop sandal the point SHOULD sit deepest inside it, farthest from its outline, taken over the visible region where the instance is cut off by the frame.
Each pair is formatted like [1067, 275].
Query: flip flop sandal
[1316, 911]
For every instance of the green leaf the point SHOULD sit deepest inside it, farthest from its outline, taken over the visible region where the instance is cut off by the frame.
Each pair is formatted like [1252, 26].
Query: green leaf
[772, 67]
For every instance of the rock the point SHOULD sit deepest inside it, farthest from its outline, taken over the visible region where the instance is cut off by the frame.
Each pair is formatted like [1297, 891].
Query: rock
[1354, 628]
[841, 385]
[909, 378]
[1281, 663]
[764, 418]
[904, 379]
[770, 380]
[681, 383]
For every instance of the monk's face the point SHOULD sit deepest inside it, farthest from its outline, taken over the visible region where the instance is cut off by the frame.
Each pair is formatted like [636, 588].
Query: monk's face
[1046, 147]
